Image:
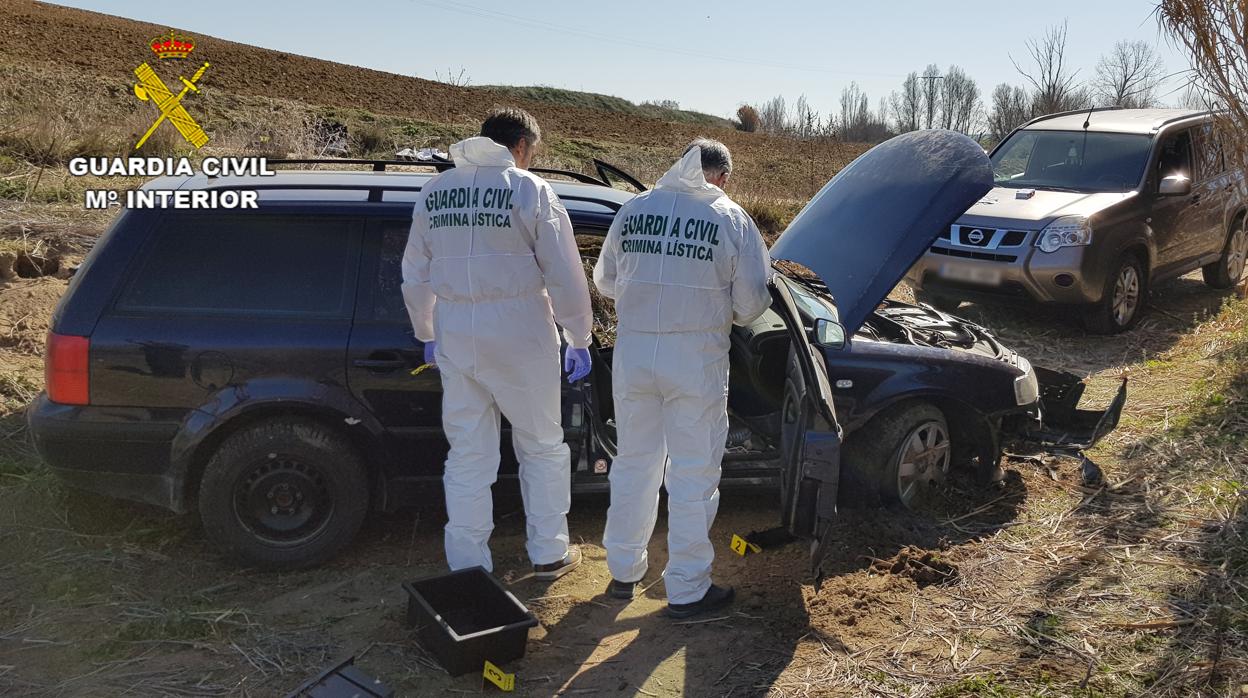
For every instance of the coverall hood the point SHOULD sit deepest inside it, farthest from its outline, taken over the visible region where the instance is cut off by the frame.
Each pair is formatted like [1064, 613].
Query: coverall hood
[686, 175]
[482, 152]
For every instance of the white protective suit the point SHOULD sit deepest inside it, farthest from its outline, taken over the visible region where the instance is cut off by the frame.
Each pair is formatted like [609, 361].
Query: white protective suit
[494, 247]
[683, 263]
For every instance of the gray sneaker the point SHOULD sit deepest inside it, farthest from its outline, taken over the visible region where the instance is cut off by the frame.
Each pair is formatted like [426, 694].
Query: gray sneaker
[556, 570]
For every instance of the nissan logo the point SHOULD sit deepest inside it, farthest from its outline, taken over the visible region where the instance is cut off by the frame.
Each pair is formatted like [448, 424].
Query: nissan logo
[975, 237]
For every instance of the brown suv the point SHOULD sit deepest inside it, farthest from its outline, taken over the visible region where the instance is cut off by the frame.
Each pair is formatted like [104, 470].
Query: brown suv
[1090, 208]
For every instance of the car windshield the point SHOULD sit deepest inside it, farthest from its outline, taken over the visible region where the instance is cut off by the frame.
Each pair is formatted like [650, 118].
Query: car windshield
[1071, 160]
[810, 304]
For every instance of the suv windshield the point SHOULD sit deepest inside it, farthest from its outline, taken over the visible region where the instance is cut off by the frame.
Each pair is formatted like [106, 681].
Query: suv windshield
[1071, 160]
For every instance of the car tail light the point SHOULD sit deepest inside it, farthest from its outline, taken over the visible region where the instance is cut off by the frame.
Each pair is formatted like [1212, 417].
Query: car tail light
[65, 369]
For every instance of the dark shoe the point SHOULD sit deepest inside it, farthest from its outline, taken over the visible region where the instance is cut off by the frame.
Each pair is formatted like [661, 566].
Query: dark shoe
[716, 598]
[556, 570]
[621, 590]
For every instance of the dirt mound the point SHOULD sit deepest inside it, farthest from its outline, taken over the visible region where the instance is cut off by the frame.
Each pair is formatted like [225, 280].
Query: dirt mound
[925, 567]
[26, 307]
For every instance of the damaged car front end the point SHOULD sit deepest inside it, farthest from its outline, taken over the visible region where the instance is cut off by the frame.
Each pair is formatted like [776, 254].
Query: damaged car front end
[883, 398]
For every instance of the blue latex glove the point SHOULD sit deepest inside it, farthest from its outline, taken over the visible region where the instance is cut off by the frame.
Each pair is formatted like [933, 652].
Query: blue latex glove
[431, 349]
[577, 363]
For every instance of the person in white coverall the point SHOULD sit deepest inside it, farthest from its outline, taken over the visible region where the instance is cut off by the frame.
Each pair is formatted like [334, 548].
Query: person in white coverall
[683, 263]
[491, 265]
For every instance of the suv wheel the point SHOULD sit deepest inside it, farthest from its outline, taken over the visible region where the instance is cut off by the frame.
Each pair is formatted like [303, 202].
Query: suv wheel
[905, 451]
[283, 494]
[1122, 302]
[938, 301]
[1225, 272]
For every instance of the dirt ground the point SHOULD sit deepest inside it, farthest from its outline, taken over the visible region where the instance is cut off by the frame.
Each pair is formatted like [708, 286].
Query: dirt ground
[1035, 586]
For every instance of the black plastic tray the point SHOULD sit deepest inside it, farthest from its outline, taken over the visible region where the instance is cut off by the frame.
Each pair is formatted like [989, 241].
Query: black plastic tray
[343, 680]
[467, 617]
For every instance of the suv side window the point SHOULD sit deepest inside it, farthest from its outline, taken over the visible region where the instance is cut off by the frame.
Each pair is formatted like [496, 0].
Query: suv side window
[388, 302]
[246, 263]
[1175, 155]
[1209, 160]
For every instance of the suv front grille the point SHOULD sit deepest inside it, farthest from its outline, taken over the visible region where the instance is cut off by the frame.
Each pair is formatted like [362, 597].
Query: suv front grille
[970, 254]
[984, 238]
[1013, 238]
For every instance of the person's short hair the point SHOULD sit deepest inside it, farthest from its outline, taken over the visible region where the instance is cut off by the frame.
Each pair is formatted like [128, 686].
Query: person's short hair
[507, 125]
[716, 160]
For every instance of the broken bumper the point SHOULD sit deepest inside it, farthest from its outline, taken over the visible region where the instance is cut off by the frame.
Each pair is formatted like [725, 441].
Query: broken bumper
[1063, 425]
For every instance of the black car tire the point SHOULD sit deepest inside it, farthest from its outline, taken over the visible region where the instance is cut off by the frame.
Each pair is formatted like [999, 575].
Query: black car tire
[882, 447]
[1227, 271]
[283, 494]
[938, 301]
[1122, 300]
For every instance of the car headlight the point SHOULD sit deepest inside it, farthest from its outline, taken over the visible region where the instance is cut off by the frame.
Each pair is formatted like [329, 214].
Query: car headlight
[1026, 387]
[1067, 231]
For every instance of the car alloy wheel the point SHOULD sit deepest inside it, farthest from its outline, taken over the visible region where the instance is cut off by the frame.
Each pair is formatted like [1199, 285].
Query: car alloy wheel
[1126, 295]
[923, 460]
[283, 500]
[1237, 254]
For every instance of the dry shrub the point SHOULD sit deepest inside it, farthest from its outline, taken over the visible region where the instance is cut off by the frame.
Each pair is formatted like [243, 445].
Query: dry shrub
[1215, 34]
[748, 119]
[372, 138]
[771, 215]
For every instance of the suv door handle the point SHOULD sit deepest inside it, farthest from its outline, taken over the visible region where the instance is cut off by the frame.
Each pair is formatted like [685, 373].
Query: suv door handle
[380, 364]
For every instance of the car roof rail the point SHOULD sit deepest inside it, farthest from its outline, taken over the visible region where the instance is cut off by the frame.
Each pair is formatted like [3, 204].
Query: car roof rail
[1069, 112]
[377, 165]
[605, 169]
[376, 193]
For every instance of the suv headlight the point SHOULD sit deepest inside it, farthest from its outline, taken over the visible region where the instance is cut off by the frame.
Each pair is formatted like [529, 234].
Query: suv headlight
[1067, 231]
[1026, 387]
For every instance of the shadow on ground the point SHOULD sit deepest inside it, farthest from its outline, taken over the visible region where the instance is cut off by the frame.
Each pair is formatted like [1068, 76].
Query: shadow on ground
[1051, 336]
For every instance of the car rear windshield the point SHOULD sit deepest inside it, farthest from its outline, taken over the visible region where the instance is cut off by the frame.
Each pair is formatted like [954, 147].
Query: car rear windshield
[248, 263]
[1071, 160]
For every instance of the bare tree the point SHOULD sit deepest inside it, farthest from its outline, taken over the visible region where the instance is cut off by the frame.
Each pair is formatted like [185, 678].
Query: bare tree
[930, 95]
[1128, 76]
[907, 104]
[858, 124]
[1215, 34]
[773, 115]
[1011, 107]
[805, 119]
[1055, 84]
[959, 100]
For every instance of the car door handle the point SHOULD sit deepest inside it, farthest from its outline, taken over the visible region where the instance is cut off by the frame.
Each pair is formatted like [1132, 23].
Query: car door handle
[380, 364]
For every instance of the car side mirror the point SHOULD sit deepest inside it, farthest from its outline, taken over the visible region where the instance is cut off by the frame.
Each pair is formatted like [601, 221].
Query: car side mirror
[829, 334]
[1175, 185]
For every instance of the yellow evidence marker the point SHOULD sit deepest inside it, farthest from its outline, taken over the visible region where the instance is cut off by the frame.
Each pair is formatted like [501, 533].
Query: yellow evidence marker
[741, 546]
[498, 677]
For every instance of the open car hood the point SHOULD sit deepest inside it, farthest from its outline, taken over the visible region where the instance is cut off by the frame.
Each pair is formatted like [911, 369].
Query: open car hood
[875, 218]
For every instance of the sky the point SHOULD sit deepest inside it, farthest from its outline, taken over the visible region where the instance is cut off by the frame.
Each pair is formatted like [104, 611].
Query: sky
[710, 57]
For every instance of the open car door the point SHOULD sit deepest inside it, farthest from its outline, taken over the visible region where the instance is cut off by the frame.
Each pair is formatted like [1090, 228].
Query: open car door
[859, 234]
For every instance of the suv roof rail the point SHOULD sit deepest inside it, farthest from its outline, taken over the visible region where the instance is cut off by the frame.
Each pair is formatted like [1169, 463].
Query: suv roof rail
[603, 180]
[1184, 117]
[1069, 112]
